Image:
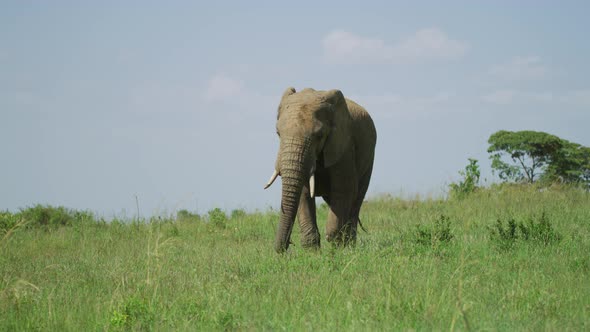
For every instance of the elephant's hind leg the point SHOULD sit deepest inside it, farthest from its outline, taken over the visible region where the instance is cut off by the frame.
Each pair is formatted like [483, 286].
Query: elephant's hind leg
[306, 214]
[356, 206]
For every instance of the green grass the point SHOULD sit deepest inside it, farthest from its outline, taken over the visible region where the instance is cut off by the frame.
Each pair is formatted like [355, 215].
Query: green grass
[424, 265]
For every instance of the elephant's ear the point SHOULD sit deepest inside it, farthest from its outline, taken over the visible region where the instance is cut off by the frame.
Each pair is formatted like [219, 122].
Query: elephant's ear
[339, 139]
[289, 91]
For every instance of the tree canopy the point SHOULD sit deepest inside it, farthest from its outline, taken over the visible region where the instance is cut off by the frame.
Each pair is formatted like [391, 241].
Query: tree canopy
[530, 156]
[570, 164]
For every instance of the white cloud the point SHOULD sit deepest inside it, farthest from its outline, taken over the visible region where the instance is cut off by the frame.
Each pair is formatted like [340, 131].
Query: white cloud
[521, 68]
[430, 43]
[222, 87]
[344, 47]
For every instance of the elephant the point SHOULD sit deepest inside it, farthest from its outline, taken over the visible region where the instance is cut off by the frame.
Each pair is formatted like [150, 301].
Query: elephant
[327, 149]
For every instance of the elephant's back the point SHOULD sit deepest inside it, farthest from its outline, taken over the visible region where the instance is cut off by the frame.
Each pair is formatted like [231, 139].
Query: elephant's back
[362, 122]
[364, 136]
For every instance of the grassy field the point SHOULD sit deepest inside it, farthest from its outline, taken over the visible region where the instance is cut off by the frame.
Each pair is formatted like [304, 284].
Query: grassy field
[512, 258]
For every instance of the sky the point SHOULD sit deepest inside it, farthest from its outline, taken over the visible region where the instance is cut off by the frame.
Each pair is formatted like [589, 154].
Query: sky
[108, 105]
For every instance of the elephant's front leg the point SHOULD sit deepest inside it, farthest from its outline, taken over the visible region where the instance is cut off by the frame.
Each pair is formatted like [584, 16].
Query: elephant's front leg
[310, 235]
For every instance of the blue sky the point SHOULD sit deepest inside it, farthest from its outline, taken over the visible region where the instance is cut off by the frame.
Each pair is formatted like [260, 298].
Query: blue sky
[175, 102]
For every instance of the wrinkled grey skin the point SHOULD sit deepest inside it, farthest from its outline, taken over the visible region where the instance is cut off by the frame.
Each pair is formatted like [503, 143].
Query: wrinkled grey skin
[324, 134]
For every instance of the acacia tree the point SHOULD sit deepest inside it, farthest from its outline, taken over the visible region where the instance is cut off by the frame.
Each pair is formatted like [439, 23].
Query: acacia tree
[571, 164]
[531, 155]
[529, 151]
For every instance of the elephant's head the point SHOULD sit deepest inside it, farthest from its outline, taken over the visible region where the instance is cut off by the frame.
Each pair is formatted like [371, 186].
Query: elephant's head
[312, 126]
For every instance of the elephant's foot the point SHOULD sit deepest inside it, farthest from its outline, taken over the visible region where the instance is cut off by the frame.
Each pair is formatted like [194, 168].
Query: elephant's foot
[311, 241]
[333, 236]
[349, 233]
[349, 238]
[344, 236]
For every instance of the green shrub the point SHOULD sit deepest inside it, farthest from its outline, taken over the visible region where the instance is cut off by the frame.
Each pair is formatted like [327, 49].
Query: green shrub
[186, 216]
[134, 314]
[469, 183]
[7, 221]
[507, 234]
[435, 234]
[40, 215]
[84, 216]
[49, 216]
[217, 217]
[238, 214]
[46, 216]
[541, 232]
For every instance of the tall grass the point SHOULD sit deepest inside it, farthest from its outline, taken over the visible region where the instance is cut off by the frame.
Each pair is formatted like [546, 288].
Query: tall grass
[423, 264]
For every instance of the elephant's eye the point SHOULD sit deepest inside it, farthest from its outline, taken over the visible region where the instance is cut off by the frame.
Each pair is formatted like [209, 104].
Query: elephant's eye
[318, 129]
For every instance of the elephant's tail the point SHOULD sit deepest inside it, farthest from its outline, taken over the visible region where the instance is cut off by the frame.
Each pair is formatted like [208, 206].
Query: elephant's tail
[362, 227]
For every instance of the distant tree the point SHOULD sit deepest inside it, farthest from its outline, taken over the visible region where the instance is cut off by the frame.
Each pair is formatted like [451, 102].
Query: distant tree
[530, 156]
[571, 164]
[529, 152]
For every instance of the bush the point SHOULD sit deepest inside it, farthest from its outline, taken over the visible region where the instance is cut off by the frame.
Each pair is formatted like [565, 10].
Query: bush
[134, 314]
[45, 216]
[433, 235]
[469, 183]
[541, 232]
[186, 216]
[238, 214]
[217, 217]
[40, 215]
[7, 221]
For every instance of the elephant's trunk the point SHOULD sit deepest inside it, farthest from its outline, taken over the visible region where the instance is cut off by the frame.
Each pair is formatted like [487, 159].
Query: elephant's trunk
[294, 169]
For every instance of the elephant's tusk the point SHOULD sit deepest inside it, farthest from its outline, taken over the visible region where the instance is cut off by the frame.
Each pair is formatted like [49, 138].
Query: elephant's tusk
[272, 179]
[312, 186]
